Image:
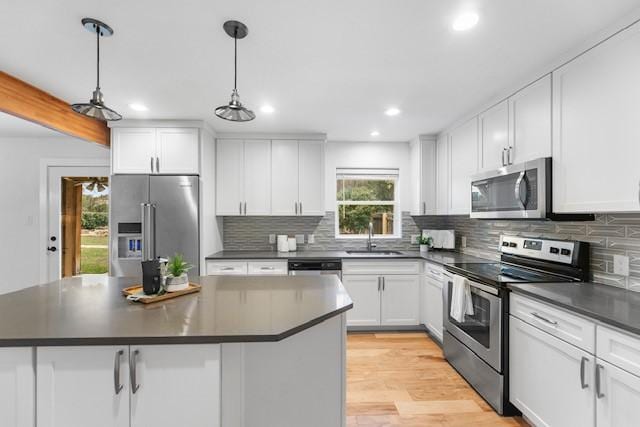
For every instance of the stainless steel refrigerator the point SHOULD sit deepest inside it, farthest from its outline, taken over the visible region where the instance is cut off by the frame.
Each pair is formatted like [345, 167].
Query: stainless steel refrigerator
[153, 216]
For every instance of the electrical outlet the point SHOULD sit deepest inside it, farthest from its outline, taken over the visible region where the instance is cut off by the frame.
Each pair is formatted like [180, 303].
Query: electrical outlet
[414, 238]
[311, 238]
[272, 239]
[463, 241]
[300, 239]
[621, 265]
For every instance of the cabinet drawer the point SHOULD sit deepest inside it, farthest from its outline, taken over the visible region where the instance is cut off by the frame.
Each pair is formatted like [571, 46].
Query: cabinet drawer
[618, 349]
[277, 268]
[224, 268]
[435, 271]
[568, 327]
[381, 267]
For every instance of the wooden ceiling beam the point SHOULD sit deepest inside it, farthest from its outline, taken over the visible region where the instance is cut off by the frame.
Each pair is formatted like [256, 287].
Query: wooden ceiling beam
[23, 100]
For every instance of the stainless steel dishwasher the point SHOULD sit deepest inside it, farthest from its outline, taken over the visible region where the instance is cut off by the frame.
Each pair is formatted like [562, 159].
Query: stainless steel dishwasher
[312, 267]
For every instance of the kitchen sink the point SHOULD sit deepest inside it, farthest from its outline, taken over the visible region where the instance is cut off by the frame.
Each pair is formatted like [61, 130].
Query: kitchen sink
[375, 253]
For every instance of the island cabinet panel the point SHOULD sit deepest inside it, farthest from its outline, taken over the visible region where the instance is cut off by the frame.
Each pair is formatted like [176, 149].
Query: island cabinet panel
[17, 387]
[179, 385]
[76, 386]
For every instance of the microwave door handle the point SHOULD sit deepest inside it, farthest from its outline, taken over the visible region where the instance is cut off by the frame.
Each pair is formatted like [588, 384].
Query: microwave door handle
[522, 177]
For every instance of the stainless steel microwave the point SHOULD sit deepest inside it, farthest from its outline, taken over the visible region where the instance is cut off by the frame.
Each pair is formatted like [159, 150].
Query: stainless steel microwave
[520, 191]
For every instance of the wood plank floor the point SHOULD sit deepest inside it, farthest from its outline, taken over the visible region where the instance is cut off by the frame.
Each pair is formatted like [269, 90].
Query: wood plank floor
[402, 379]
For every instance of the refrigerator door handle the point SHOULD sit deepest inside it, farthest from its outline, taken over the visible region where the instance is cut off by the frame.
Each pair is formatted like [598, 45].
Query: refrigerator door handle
[148, 231]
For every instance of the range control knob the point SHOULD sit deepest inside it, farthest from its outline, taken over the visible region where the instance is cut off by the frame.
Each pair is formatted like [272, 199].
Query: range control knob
[554, 250]
[513, 245]
[565, 252]
[505, 243]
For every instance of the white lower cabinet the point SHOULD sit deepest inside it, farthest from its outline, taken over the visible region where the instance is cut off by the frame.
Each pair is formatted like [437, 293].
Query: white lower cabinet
[364, 290]
[432, 306]
[617, 396]
[400, 304]
[17, 387]
[545, 378]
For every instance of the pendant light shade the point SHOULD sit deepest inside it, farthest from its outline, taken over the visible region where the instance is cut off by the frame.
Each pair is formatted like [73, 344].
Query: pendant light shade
[234, 111]
[95, 107]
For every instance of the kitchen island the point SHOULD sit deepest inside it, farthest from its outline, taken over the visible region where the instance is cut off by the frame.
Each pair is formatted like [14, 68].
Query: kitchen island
[244, 351]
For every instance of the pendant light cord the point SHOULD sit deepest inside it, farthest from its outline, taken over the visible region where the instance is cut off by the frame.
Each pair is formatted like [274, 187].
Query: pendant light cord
[235, 58]
[98, 29]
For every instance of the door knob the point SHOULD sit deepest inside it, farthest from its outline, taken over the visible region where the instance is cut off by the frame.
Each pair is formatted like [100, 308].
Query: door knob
[52, 248]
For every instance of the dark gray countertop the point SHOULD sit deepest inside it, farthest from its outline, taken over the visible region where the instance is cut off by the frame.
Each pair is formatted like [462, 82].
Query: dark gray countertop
[608, 304]
[437, 256]
[92, 311]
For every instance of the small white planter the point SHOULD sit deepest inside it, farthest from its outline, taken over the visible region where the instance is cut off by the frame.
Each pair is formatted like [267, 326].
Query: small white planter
[424, 248]
[179, 283]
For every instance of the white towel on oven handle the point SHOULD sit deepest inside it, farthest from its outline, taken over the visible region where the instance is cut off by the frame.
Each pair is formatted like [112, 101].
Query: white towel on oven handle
[461, 302]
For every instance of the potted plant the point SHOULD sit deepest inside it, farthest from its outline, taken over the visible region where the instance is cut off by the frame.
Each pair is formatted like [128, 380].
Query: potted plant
[177, 278]
[425, 243]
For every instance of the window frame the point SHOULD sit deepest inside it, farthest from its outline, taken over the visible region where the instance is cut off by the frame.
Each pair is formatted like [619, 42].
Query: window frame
[370, 174]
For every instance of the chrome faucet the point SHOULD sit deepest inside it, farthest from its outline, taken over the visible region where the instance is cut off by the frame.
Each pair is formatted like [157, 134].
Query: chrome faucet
[370, 245]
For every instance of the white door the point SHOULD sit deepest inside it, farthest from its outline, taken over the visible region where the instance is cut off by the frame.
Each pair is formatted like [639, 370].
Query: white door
[52, 244]
[17, 387]
[494, 136]
[177, 385]
[400, 300]
[463, 163]
[443, 178]
[133, 150]
[596, 99]
[257, 177]
[365, 293]
[619, 399]
[284, 177]
[178, 151]
[78, 386]
[530, 121]
[434, 304]
[545, 378]
[229, 175]
[428, 177]
[311, 178]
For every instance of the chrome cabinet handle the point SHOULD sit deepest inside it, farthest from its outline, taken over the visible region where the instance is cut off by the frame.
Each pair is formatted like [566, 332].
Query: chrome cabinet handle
[226, 268]
[424, 208]
[435, 273]
[599, 393]
[245, 208]
[509, 161]
[544, 319]
[296, 205]
[383, 284]
[133, 372]
[151, 159]
[267, 268]
[379, 283]
[240, 208]
[503, 153]
[116, 372]
[583, 364]
[157, 164]
[300, 203]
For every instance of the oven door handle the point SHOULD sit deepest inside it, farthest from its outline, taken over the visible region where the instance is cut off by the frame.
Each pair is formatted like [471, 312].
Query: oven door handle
[522, 177]
[485, 288]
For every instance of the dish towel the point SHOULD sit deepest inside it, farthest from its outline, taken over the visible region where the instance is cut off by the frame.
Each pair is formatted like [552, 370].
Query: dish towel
[461, 302]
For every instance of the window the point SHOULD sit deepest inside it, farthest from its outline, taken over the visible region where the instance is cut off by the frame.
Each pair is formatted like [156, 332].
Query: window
[365, 196]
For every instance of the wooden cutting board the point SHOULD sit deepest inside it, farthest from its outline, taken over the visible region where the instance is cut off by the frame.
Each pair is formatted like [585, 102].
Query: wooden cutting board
[148, 299]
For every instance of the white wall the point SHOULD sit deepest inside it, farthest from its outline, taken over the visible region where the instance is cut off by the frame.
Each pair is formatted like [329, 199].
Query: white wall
[20, 242]
[367, 155]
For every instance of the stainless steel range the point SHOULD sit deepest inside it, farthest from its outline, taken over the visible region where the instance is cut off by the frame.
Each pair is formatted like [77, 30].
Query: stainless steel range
[478, 346]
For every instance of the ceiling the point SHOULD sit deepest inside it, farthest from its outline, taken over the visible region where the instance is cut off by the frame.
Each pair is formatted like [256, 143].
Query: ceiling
[329, 66]
[11, 126]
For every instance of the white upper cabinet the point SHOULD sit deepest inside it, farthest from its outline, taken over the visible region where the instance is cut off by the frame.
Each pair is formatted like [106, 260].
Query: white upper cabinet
[17, 387]
[463, 164]
[494, 137]
[284, 177]
[423, 176]
[155, 150]
[257, 177]
[530, 122]
[596, 99]
[310, 178]
[443, 178]
[229, 176]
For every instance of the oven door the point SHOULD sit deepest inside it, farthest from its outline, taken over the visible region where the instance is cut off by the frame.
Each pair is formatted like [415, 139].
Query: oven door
[515, 191]
[481, 332]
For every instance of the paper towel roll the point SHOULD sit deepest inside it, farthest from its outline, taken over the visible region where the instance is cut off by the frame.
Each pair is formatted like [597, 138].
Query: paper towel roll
[283, 243]
[292, 244]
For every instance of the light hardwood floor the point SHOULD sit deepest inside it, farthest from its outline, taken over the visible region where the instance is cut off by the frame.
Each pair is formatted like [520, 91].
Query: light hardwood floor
[402, 379]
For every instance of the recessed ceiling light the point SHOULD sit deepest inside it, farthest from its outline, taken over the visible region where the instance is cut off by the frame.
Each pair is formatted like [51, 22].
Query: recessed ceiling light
[136, 106]
[393, 111]
[465, 21]
[374, 133]
[267, 109]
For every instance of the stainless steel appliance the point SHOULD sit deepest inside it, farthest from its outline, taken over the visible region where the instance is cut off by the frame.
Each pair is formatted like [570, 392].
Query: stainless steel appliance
[311, 267]
[520, 191]
[159, 214]
[478, 346]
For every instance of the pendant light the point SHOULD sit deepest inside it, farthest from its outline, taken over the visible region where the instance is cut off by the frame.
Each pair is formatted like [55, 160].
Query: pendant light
[95, 107]
[234, 111]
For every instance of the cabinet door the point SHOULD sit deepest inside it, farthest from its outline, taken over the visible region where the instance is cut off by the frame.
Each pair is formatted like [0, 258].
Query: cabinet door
[229, 174]
[545, 378]
[443, 178]
[400, 300]
[311, 178]
[619, 398]
[178, 151]
[284, 177]
[596, 99]
[133, 150]
[494, 136]
[433, 302]
[428, 177]
[365, 293]
[17, 387]
[76, 386]
[257, 177]
[176, 376]
[463, 164]
[530, 121]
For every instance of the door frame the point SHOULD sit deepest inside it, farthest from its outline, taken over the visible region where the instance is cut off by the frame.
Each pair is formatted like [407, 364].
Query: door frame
[43, 234]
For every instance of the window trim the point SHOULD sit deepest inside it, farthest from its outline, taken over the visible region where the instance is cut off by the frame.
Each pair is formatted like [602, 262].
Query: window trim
[364, 174]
